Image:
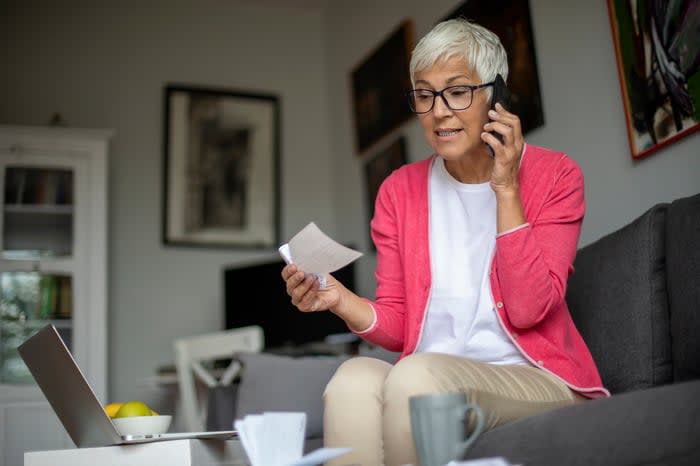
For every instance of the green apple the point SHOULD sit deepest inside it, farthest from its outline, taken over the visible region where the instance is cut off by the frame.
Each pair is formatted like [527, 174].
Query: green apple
[133, 408]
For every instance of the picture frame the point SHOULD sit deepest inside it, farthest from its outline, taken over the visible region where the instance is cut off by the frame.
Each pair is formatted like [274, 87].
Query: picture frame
[378, 86]
[510, 20]
[378, 167]
[221, 166]
[659, 76]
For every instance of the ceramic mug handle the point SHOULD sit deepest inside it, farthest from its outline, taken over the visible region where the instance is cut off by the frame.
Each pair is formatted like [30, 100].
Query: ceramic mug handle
[463, 411]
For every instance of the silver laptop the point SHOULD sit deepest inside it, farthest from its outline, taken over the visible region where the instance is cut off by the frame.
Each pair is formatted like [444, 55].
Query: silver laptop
[74, 401]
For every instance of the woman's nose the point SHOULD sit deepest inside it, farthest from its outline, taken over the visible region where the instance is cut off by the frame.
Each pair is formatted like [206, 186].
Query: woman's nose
[441, 108]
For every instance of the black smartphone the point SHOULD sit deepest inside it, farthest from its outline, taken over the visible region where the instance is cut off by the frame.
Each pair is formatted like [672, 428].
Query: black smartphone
[500, 94]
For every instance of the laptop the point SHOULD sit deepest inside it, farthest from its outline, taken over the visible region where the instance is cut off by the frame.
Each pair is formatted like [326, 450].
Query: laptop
[74, 401]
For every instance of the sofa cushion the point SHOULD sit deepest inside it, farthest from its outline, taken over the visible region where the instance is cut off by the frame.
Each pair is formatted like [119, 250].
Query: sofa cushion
[271, 382]
[659, 426]
[683, 282]
[617, 297]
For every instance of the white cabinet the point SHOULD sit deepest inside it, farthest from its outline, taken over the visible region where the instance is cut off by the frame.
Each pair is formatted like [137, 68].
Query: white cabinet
[53, 268]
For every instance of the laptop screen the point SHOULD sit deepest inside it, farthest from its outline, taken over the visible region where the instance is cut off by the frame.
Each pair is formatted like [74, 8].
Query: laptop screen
[67, 390]
[73, 400]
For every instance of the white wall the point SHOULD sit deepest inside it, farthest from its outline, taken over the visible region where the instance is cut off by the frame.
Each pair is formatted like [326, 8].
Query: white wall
[582, 109]
[104, 66]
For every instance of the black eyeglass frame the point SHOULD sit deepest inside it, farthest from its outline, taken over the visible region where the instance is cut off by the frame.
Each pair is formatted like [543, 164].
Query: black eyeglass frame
[441, 93]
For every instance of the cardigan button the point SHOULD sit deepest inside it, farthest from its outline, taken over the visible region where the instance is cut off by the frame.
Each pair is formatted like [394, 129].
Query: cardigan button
[540, 363]
[499, 304]
[514, 335]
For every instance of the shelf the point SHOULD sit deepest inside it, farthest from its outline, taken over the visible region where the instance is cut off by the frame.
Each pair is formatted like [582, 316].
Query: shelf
[32, 261]
[43, 209]
[34, 256]
[35, 324]
[58, 323]
[37, 230]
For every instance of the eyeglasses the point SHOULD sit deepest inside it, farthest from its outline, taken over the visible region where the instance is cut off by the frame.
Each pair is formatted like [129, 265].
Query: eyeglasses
[455, 97]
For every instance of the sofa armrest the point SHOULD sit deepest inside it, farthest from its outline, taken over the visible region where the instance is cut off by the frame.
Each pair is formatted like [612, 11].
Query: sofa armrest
[657, 426]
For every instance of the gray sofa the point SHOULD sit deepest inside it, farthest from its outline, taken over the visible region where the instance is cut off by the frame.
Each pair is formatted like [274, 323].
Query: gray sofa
[635, 297]
[274, 382]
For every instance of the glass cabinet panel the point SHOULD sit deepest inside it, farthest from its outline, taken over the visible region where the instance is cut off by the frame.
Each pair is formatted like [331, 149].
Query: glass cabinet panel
[37, 212]
[28, 301]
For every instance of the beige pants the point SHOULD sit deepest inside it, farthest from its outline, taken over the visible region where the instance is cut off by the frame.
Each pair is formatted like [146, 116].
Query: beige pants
[366, 401]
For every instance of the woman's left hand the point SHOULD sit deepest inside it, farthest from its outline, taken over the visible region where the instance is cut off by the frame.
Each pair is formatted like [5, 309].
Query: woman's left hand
[507, 155]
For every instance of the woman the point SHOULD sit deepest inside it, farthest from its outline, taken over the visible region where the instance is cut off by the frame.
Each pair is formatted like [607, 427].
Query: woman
[473, 256]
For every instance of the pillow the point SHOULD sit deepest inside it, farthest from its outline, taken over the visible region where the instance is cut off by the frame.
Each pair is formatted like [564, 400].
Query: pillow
[271, 382]
[378, 352]
[617, 297]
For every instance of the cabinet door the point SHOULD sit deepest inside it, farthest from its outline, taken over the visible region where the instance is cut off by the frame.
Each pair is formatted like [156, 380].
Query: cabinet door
[37, 212]
[30, 427]
[37, 252]
[28, 302]
[38, 198]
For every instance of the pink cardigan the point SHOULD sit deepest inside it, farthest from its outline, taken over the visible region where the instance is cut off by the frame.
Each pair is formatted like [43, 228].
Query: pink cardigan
[529, 270]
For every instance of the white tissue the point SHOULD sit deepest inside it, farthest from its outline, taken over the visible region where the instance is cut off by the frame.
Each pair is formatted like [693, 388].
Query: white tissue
[277, 439]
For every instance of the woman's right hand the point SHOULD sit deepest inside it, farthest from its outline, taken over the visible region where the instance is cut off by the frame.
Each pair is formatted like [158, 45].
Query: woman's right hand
[305, 291]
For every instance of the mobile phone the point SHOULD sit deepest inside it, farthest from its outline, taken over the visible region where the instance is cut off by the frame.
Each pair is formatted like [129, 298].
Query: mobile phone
[500, 94]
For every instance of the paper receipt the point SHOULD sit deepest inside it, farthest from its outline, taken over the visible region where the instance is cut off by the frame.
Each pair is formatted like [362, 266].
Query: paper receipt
[315, 252]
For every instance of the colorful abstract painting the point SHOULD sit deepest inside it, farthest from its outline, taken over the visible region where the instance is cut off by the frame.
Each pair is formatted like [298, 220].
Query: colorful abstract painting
[657, 44]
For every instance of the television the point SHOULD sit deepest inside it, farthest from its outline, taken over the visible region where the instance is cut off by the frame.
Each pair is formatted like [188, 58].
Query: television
[256, 295]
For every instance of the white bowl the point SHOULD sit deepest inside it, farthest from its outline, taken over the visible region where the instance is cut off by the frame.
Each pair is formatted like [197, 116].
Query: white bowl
[142, 425]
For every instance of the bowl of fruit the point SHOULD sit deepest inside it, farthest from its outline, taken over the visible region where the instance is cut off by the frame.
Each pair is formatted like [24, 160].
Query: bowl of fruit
[137, 418]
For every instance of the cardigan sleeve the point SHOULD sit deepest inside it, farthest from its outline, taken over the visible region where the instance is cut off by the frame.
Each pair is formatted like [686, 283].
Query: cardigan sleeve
[533, 263]
[389, 308]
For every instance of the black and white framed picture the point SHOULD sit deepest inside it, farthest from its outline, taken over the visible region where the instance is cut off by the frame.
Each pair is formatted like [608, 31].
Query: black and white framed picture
[221, 168]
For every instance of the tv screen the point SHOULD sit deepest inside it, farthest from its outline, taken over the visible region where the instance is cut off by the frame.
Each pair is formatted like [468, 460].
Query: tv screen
[256, 295]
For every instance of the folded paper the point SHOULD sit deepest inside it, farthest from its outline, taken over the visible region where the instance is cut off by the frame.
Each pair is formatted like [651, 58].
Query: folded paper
[316, 253]
[277, 439]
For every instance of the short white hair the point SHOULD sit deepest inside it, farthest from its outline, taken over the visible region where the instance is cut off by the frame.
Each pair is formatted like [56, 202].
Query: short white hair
[481, 48]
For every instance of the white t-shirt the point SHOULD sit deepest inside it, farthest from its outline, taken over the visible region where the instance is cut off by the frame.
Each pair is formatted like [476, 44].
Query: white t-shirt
[461, 317]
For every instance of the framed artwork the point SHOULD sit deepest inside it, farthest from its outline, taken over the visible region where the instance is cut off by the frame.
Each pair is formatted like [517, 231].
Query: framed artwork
[657, 49]
[221, 168]
[510, 21]
[378, 86]
[379, 167]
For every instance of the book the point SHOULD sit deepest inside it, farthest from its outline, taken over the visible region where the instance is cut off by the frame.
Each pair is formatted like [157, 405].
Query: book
[65, 298]
[47, 302]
